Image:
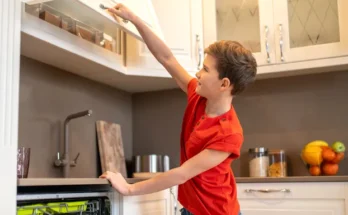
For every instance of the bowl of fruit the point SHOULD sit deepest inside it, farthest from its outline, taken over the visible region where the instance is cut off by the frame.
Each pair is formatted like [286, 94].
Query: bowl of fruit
[321, 158]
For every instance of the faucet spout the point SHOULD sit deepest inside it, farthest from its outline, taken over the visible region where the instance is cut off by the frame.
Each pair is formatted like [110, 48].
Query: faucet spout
[77, 115]
[66, 158]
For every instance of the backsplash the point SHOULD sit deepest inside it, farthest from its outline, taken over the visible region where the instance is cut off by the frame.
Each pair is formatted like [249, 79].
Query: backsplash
[47, 96]
[282, 113]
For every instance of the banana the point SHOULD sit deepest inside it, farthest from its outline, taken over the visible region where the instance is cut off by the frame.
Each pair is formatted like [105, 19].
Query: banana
[317, 143]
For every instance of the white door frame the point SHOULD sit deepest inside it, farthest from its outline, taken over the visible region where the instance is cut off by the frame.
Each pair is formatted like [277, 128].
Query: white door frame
[10, 32]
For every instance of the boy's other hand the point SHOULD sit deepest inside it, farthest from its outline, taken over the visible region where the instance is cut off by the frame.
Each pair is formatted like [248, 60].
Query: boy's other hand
[117, 181]
[122, 11]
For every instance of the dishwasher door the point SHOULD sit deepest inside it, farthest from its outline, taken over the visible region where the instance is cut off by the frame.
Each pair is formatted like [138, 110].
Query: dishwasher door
[73, 200]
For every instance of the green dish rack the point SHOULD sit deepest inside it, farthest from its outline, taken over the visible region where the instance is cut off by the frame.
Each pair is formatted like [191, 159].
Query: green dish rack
[59, 208]
[35, 209]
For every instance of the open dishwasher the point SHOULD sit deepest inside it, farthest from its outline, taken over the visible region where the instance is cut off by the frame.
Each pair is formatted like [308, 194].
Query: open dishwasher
[95, 197]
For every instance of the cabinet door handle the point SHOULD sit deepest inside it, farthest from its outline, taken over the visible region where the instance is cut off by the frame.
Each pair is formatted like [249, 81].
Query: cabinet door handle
[267, 44]
[267, 190]
[281, 42]
[175, 202]
[106, 8]
[199, 52]
[118, 42]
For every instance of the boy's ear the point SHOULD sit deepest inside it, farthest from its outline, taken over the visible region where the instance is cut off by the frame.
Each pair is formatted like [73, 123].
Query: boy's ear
[225, 82]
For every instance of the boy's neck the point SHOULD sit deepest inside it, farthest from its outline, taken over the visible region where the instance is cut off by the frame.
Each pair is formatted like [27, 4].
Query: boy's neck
[218, 106]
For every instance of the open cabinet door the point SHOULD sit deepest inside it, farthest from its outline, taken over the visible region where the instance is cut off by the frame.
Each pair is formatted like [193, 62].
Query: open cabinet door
[144, 9]
[90, 13]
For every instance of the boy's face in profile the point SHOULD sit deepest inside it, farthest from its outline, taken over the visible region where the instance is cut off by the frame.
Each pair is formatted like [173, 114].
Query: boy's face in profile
[209, 85]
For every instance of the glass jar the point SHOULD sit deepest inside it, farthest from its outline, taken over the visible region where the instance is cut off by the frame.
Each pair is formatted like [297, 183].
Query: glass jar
[33, 10]
[277, 163]
[50, 15]
[86, 32]
[258, 162]
[68, 24]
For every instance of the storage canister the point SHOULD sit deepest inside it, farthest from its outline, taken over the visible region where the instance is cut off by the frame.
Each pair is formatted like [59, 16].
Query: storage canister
[258, 162]
[277, 163]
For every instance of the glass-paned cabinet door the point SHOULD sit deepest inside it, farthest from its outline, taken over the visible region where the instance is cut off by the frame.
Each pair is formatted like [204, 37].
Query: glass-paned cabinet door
[310, 29]
[249, 22]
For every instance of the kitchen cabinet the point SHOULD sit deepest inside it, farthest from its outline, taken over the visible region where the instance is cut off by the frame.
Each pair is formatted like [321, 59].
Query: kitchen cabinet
[99, 18]
[306, 30]
[158, 203]
[311, 198]
[182, 33]
[249, 22]
[283, 35]
[83, 51]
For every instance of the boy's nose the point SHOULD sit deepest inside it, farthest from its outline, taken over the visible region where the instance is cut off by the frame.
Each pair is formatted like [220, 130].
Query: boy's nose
[197, 74]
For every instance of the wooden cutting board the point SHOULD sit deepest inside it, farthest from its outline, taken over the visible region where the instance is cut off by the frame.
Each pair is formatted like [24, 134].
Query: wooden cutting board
[111, 147]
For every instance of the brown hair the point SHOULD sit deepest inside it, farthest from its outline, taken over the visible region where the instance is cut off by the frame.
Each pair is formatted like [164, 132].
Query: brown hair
[234, 62]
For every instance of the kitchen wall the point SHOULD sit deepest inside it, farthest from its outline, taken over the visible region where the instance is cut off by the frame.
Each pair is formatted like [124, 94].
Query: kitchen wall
[281, 113]
[47, 96]
[276, 113]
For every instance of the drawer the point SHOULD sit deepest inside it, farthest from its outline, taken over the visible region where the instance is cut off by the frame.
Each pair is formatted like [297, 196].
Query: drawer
[293, 207]
[302, 190]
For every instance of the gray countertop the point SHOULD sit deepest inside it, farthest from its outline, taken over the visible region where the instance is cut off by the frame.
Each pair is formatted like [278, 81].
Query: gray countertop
[97, 181]
[66, 181]
[293, 179]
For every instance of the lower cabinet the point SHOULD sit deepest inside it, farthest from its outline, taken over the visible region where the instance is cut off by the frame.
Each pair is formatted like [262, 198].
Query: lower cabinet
[293, 198]
[159, 203]
[298, 198]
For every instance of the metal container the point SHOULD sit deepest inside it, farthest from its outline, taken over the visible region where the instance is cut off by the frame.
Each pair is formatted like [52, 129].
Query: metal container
[151, 163]
[258, 162]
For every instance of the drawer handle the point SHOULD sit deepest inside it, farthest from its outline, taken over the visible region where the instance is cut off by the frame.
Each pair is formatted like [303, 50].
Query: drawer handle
[281, 42]
[267, 44]
[267, 190]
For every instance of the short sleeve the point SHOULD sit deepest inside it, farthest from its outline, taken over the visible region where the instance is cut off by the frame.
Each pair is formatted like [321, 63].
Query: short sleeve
[231, 143]
[191, 88]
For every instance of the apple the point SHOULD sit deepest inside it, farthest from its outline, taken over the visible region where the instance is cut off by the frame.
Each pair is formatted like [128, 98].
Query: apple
[338, 147]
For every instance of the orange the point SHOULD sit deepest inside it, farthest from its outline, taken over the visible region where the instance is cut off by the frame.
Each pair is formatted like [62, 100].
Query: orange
[338, 157]
[328, 154]
[314, 170]
[330, 168]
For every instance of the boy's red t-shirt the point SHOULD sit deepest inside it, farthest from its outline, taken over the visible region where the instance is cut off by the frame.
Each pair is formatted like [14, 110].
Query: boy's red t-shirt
[212, 192]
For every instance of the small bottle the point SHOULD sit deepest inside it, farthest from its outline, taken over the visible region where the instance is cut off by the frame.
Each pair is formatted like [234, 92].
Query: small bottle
[277, 163]
[258, 162]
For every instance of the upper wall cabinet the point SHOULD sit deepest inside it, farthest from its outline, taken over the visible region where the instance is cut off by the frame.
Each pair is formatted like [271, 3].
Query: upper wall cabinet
[281, 31]
[249, 22]
[91, 13]
[79, 36]
[181, 25]
[310, 29]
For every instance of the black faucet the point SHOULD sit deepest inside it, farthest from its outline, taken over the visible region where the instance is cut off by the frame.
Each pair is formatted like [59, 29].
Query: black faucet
[65, 162]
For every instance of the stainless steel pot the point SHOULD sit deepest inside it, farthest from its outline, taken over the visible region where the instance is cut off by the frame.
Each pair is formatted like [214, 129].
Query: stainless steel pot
[151, 163]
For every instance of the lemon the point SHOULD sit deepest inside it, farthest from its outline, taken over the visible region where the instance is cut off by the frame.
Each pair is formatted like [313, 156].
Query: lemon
[312, 155]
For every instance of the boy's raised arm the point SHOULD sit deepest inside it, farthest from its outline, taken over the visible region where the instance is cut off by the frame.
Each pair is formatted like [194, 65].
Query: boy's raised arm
[157, 47]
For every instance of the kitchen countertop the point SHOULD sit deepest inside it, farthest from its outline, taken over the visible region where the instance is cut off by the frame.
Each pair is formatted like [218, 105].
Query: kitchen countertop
[25, 182]
[97, 181]
[293, 179]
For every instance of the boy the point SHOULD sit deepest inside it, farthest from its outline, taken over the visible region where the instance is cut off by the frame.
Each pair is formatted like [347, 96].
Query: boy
[211, 135]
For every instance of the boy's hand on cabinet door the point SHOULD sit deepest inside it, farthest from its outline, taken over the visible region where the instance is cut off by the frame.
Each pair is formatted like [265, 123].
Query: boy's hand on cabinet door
[117, 181]
[123, 12]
